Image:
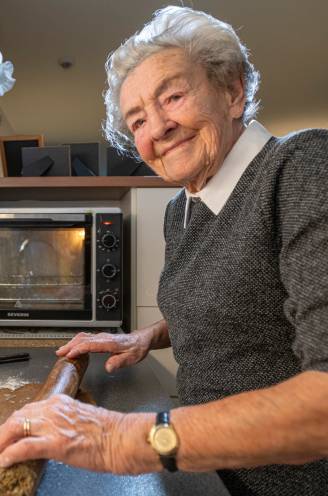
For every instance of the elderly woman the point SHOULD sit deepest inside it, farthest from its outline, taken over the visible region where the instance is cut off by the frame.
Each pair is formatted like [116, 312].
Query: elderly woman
[244, 288]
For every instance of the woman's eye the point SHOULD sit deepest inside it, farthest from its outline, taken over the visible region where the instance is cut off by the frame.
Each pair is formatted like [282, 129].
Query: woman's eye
[174, 98]
[137, 124]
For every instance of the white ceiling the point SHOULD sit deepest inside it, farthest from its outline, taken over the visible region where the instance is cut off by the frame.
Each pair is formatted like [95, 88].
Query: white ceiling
[288, 40]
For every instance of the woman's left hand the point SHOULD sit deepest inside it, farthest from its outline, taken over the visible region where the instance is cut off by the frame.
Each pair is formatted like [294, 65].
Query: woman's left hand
[72, 432]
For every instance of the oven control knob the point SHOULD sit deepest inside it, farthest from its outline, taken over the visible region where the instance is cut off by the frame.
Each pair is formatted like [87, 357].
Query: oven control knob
[109, 271]
[109, 301]
[109, 240]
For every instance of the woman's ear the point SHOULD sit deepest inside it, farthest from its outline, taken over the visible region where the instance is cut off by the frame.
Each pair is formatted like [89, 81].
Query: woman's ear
[237, 99]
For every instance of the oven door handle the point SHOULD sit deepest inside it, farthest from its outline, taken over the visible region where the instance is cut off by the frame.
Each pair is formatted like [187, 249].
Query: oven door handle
[43, 223]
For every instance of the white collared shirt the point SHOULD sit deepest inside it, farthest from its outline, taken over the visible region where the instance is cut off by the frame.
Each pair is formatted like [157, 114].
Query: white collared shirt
[218, 189]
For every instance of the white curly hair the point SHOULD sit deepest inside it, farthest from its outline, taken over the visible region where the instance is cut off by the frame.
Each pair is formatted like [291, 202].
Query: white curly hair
[205, 39]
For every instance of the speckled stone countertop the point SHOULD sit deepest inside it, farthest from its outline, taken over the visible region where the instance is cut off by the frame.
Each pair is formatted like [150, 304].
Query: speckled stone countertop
[131, 389]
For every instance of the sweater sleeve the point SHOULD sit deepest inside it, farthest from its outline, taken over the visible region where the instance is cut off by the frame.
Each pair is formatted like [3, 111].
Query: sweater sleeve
[302, 212]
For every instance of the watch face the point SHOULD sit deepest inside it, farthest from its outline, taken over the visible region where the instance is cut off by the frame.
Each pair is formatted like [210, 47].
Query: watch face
[165, 440]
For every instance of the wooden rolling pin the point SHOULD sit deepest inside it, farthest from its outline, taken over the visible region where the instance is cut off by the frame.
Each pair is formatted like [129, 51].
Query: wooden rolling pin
[65, 377]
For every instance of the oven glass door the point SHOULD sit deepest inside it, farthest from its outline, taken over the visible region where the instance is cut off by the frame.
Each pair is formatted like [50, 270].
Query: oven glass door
[45, 262]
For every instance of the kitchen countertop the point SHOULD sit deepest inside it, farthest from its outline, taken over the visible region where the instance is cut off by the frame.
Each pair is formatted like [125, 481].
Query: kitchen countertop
[132, 389]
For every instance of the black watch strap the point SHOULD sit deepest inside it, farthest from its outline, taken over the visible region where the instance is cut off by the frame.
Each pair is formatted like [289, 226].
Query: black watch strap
[169, 461]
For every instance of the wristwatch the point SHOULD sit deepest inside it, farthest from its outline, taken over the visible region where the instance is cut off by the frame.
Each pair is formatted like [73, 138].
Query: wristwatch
[165, 441]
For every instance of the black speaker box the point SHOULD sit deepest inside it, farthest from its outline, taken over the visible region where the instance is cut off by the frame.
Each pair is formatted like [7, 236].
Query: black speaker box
[118, 165]
[88, 159]
[59, 155]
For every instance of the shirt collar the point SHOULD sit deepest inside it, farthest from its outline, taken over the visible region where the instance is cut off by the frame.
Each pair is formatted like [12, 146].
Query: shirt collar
[220, 186]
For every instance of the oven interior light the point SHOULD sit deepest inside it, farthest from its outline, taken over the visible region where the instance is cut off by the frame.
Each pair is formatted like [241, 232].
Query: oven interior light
[81, 234]
[107, 222]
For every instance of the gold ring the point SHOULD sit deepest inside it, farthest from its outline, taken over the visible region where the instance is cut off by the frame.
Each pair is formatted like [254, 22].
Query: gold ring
[27, 427]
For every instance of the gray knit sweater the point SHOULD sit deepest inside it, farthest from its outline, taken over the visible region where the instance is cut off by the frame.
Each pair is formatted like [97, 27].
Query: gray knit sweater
[245, 292]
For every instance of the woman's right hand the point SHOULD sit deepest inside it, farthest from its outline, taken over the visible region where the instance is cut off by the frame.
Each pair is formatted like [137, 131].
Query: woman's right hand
[125, 349]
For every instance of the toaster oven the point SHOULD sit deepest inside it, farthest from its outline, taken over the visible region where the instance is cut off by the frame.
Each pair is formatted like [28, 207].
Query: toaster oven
[61, 267]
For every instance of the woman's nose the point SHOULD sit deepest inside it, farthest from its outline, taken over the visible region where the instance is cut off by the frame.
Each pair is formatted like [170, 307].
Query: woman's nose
[160, 125]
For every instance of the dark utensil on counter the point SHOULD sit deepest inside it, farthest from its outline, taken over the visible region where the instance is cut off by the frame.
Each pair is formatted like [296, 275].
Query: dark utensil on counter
[19, 357]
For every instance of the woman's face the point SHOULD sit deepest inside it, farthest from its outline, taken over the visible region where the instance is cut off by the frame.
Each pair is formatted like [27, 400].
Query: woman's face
[183, 127]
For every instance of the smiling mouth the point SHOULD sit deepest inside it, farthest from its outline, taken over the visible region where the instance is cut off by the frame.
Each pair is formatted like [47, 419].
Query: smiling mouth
[177, 145]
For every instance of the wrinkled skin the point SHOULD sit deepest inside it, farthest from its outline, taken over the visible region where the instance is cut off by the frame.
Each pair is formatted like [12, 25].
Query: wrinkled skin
[125, 349]
[182, 124]
[63, 429]
[75, 433]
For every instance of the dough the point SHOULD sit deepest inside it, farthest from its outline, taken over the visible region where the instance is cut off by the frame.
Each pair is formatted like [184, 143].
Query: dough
[11, 400]
[22, 479]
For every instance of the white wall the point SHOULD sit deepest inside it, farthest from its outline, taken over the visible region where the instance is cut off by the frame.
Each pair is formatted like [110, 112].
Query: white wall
[289, 122]
[5, 127]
